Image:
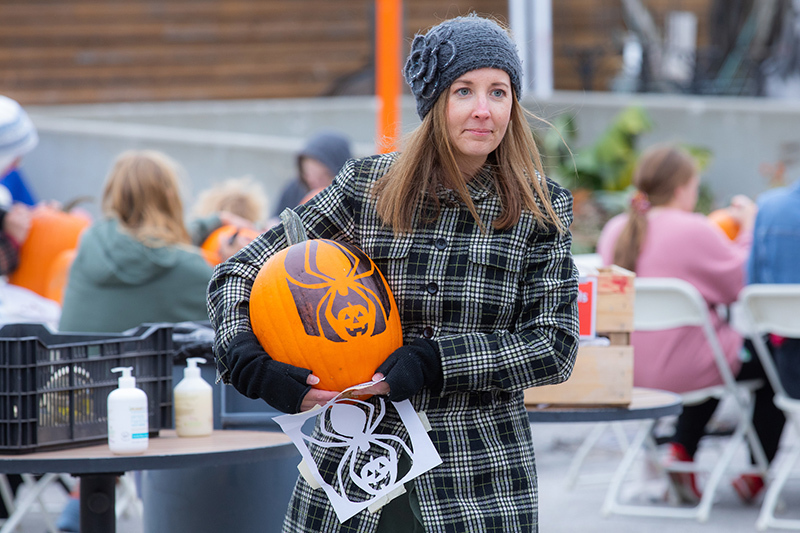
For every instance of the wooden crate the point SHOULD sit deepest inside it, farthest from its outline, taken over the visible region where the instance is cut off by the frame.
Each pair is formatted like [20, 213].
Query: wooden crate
[614, 300]
[603, 375]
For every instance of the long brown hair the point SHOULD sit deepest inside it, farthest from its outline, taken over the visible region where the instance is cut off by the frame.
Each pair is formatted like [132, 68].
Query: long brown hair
[659, 172]
[142, 191]
[428, 160]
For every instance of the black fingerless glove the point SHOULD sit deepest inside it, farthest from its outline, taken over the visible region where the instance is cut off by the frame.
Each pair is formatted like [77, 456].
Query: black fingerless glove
[256, 375]
[411, 367]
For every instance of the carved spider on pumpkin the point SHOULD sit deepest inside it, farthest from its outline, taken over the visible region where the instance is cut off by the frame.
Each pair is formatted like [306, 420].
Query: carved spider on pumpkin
[343, 296]
[354, 428]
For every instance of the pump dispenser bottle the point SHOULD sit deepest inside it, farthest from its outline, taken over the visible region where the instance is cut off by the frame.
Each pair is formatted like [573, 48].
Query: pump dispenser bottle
[128, 431]
[194, 402]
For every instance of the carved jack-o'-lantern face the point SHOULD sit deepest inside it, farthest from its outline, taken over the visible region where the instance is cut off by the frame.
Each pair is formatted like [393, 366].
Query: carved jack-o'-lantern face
[356, 319]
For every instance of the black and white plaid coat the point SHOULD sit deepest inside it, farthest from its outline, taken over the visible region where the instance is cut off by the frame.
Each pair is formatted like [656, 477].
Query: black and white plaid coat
[500, 304]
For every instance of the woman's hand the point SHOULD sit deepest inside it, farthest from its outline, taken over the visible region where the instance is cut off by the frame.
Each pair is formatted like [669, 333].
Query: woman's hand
[17, 222]
[256, 375]
[316, 396]
[229, 247]
[378, 389]
[408, 369]
[744, 210]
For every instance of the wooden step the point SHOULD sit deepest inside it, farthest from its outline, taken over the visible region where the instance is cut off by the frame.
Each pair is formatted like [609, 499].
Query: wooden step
[205, 91]
[256, 31]
[181, 53]
[167, 74]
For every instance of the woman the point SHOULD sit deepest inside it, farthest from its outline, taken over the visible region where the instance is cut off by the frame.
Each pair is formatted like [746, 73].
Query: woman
[137, 264]
[661, 236]
[475, 246]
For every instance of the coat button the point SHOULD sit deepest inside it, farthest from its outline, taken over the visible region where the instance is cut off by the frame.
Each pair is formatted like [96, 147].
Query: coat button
[427, 332]
[440, 243]
[486, 398]
[432, 287]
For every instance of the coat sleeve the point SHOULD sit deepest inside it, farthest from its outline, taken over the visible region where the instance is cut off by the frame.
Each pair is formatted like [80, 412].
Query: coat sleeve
[541, 346]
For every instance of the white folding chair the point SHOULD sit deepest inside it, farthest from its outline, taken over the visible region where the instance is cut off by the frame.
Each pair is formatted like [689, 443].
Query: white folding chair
[666, 303]
[775, 309]
[20, 506]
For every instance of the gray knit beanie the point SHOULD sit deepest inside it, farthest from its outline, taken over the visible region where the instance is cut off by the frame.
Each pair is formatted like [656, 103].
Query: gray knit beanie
[452, 49]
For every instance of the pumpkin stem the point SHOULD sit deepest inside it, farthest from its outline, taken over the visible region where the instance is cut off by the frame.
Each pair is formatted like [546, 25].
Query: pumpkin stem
[293, 226]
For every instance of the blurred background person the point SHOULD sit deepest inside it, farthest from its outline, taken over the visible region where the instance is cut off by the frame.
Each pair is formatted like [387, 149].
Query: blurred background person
[227, 216]
[317, 163]
[774, 258]
[17, 137]
[662, 236]
[137, 264]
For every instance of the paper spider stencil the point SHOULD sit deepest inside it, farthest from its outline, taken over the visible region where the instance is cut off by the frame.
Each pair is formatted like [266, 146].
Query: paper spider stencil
[367, 467]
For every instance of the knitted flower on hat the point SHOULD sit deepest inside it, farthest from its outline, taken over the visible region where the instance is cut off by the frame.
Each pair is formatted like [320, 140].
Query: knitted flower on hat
[453, 48]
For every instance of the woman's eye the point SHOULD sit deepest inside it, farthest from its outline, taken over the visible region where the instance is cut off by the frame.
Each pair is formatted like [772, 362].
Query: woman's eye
[463, 91]
[498, 93]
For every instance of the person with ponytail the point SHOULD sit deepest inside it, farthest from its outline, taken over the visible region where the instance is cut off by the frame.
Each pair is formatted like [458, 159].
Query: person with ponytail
[661, 236]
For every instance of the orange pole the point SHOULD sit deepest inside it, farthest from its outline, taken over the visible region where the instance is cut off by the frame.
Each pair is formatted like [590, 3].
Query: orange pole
[388, 46]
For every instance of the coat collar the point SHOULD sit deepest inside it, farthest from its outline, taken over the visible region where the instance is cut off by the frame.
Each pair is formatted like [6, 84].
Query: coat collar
[480, 187]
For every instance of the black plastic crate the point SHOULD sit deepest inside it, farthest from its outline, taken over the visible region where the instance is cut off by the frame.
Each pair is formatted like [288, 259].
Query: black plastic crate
[54, 386]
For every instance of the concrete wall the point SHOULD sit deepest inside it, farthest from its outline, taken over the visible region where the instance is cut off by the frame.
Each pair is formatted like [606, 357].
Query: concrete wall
[742, 133]
[215, 140]
[212, 141]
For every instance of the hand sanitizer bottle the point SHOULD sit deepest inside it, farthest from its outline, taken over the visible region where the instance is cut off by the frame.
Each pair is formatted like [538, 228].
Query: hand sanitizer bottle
[194, 402]
[128, 430]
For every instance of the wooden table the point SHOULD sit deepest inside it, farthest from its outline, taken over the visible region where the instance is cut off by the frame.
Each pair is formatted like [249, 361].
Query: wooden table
[645, 404]
[98, 468]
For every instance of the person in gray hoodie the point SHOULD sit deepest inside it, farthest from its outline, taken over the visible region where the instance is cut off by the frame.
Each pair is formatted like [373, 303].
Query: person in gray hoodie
[318, 162]
[137, 263]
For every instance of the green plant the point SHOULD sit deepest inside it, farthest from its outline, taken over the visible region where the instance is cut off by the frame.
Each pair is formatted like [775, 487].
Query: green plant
[600, 174]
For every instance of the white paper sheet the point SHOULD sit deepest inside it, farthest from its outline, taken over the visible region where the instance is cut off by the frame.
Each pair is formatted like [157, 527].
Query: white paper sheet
[370, 460]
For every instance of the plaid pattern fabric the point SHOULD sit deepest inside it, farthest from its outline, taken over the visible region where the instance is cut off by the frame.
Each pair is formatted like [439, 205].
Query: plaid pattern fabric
[500, 304]
[9, 255]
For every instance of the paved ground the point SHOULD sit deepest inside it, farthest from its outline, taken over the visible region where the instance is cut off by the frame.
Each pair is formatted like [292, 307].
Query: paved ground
[565, 510]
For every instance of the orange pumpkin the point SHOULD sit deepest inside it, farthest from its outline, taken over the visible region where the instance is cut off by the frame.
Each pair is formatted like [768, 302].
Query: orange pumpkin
[325, 306]
[52, 231]
[726, 222]
[58, 275]
[311, 194]
[210, 246]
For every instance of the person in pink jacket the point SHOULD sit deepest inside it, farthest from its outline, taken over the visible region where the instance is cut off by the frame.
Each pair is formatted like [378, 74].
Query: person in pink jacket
[662, 236]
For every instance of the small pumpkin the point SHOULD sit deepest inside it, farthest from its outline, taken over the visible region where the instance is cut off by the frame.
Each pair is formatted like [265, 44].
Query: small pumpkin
[726, 222]
[52, 231]
[311, 194]
[324, 305]
[211, 245]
